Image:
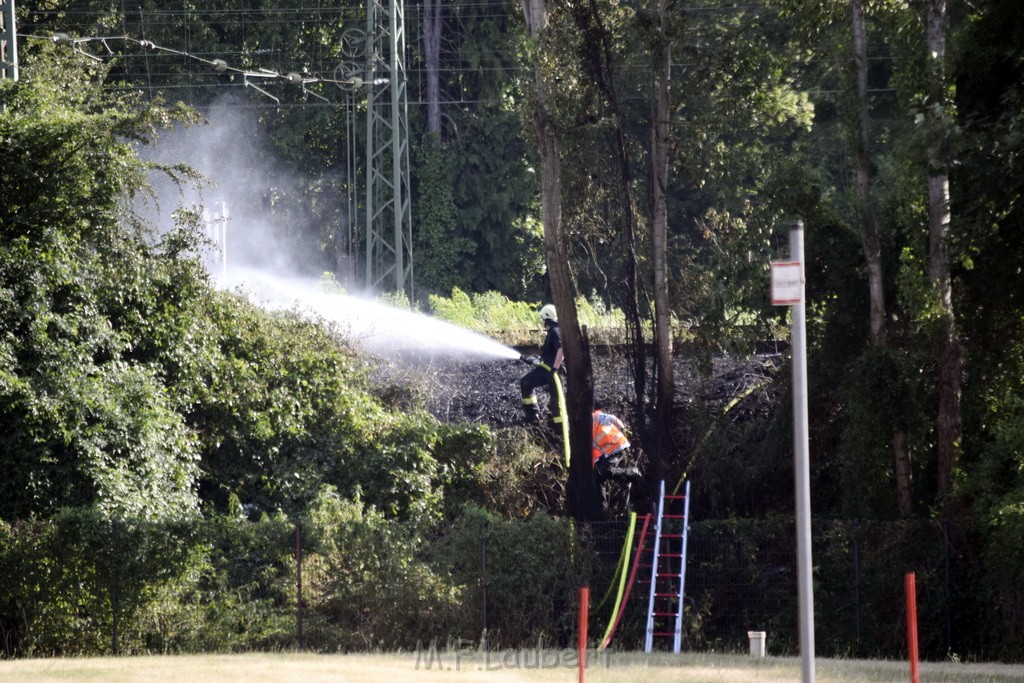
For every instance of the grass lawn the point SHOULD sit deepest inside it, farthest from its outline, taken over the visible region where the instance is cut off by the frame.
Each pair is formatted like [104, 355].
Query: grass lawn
[504, 667]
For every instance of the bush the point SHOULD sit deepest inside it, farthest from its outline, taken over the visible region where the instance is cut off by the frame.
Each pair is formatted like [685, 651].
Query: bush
[534, 570]
[367, 588]
[73, 580]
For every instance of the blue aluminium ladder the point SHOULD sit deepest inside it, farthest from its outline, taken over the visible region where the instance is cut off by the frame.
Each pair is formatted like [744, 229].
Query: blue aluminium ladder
[668, 569]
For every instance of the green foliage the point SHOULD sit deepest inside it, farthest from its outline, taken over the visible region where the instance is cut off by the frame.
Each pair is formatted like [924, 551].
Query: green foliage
[743, 571]
[87, 424]
[229, 583]
[241, 597]
[129, 386]
[368, 586]
[67, 579]
[494, 314]
[498, 204]
[441, 253]
[487, 312]
[397, 300]
[223, 585]
[534, 569]
[520, 478]
[742, 462]
[490, 178]
[281, 403]
[996, 490]
[878, 390]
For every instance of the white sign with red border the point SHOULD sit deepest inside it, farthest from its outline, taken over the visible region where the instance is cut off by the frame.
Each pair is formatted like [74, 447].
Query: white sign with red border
[787, 283]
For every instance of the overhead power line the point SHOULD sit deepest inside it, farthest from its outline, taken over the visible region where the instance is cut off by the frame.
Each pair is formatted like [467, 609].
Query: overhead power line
[347, 81]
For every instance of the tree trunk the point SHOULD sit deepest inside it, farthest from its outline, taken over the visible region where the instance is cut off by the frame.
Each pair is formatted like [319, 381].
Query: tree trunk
[877, 337]
[949, 359]
[866, 216]
[599, 56]
[583, 496]
[432, 56]
[662, 67]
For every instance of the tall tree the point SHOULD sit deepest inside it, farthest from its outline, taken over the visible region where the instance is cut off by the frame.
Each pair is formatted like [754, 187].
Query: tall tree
[598, 54]
[872, 248]
[660, 141]
[584, 498]
[937, 113]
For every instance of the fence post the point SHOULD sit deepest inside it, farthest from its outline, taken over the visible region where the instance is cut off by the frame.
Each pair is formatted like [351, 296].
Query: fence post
[910, 586]
[856, 579]
[298, 584]
[483, 589]
[945, 562]
[114, 587]
[584, 619]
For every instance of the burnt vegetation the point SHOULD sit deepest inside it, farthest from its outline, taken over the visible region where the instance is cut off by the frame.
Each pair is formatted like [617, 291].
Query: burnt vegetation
[725, 425]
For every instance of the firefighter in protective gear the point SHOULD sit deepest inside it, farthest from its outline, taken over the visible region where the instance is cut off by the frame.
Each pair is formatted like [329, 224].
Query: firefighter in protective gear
[543, 372]
[609, 442]
[608, 449]
[608, 446]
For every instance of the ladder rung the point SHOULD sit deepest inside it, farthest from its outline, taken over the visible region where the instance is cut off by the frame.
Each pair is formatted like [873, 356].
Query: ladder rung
[666, 595]
[671, 535]
[671, 516]
[664, 633]
[670, 497]
[664, 614]
[671, 555]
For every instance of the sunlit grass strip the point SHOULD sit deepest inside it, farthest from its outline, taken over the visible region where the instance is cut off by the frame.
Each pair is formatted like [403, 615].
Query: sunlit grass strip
[516, 322]
[504, 666]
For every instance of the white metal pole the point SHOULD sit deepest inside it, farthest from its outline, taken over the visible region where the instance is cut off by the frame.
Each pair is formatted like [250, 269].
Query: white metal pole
[801, 466]
[9, 39]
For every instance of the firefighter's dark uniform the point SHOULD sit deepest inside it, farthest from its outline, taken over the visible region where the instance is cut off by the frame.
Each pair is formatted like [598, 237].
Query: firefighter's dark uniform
[542, 375]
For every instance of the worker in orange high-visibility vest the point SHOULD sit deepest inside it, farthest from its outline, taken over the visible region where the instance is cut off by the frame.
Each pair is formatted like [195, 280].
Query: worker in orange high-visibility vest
[609, 441]
[608, 448]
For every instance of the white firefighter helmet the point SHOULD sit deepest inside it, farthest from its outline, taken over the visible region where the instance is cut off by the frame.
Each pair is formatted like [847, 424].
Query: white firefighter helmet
[548, 313]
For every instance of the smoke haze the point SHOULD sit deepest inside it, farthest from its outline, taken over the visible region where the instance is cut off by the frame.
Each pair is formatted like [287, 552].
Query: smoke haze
[272, 263]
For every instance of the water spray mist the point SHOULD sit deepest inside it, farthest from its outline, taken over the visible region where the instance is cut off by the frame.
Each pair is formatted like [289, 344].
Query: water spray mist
[382, 330]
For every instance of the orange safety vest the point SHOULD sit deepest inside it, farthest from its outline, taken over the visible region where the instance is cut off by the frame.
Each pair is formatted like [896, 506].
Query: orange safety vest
[608, 438]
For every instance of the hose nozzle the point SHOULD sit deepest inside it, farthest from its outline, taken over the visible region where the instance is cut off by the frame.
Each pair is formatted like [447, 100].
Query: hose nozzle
[530, 360]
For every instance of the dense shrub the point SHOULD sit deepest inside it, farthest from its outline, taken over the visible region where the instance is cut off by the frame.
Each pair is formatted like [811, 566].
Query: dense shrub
[368, 587]
[534, 568]
[73, 582]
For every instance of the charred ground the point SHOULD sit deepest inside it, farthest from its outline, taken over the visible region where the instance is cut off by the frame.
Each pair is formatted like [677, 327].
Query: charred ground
[724, 418]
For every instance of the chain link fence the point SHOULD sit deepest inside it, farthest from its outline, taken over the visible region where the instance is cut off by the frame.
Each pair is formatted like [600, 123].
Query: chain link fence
[78, 584]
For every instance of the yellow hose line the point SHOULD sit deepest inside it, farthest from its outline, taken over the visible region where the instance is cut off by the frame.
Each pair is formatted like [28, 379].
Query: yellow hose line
[621, 566]
[564, 413]
[622, 578]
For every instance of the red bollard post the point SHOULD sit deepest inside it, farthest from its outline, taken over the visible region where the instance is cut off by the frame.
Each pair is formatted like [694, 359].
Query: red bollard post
[910, 585]
[584, 618]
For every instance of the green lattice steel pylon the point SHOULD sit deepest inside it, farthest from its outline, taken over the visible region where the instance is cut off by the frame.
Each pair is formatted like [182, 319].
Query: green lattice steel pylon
[389, 264]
